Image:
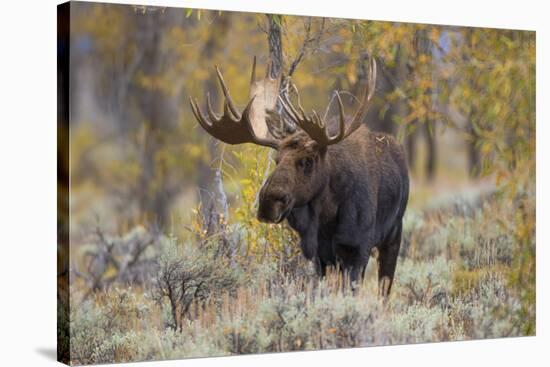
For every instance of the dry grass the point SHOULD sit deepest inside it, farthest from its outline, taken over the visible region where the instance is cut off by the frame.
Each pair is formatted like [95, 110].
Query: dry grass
[452, 283]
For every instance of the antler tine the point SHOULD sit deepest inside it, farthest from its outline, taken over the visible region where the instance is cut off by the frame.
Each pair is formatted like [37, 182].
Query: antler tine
[226, 94]
[227, 112]
[211, 114]
[342, 120]
[316, 127]
[289, 109]
[268, 69]
[369, 92]
[250, 126]
[313, 124]
[372, 78]
[253, 74]
[317, 120]
[198, 114]
[359, 115]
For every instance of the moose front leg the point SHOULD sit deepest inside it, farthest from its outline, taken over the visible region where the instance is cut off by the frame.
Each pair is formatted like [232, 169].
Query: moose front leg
[387, 260]
[353, 240]
[320, 267]
[353, 261]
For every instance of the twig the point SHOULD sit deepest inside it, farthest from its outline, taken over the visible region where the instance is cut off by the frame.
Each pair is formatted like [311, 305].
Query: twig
[334, 96]
[308, 40]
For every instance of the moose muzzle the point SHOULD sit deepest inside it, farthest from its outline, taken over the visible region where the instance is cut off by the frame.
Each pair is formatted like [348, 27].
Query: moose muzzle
[275, 200]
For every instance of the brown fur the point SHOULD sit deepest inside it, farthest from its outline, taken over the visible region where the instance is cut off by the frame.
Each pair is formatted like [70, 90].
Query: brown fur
[343, 200]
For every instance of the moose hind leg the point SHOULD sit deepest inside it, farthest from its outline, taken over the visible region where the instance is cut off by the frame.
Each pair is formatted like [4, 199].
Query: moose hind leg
[387, 260]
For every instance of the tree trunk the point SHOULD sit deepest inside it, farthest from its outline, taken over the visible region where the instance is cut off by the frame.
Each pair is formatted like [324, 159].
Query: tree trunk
[410, 143]
[216, 39]
[275, 43]
[153, 119]
[431, 158]
[423, 46]
[474, 157]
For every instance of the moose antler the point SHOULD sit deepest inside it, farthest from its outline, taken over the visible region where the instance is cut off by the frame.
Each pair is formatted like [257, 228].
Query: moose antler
[250, 125]
[316, 127]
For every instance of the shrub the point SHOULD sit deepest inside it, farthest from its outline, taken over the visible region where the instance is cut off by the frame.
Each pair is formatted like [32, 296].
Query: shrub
[459, 277]
[189, 275]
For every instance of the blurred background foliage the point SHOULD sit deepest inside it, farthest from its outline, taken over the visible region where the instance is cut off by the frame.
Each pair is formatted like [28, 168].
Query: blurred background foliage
[461, 100]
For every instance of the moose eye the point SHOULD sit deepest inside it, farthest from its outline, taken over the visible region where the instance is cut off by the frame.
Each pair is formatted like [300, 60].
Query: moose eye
[306, 164]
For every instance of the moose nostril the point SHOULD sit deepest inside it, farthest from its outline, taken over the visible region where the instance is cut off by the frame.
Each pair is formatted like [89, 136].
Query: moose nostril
[287, 199]
[282, 198]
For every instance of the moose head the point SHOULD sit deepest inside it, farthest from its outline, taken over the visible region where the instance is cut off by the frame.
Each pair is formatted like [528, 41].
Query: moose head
[301, 172]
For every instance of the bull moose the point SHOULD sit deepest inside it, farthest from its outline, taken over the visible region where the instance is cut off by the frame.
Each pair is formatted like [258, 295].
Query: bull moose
[340, 186]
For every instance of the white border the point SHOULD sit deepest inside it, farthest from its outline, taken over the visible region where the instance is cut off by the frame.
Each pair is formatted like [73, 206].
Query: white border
[28, 181]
